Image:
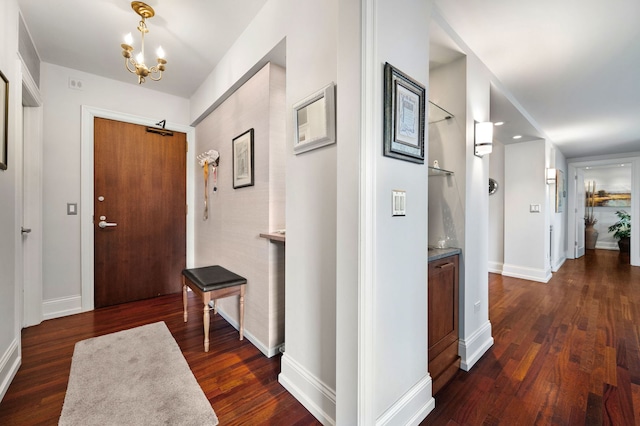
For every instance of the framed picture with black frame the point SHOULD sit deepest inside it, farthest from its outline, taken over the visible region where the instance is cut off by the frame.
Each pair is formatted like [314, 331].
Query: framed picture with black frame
[4, 120]
[404, 116]
[242, 147]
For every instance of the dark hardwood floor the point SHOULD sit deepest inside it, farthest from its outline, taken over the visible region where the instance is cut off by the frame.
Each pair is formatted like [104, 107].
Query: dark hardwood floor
[240, 382]
[565, 352]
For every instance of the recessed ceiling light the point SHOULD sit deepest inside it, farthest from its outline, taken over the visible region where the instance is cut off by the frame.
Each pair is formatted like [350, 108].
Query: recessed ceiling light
[499, 123]
[517, 137]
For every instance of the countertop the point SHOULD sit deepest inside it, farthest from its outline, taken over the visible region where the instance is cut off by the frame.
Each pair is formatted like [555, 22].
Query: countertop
[437, 254]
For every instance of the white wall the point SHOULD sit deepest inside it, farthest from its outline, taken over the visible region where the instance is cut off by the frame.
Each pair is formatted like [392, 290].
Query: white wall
[230, 235]
[309, 363]
[400, 250]
[496, 210]
[62, 146]
[11, 204]
[526, 245]
[475, 330]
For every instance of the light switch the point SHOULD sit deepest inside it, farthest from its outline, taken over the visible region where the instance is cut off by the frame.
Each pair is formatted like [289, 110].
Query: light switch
[72, 209]
[399, 199]
[534, 208]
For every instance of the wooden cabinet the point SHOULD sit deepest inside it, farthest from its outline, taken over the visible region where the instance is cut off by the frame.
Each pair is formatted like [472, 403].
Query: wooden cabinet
[444, 360]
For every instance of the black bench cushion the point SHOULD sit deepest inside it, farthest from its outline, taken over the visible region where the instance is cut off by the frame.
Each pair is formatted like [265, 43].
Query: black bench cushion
[210, 278]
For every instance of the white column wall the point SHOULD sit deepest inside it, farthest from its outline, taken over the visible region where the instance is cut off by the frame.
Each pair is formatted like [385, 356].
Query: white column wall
[526, 233]
[496, 210]
[400, 247]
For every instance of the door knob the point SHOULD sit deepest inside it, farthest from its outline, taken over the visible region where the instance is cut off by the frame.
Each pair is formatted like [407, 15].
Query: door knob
[103, 224]
[25, 230]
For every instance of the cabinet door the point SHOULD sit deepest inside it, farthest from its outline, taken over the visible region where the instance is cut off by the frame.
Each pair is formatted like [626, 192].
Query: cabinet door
[443, 304]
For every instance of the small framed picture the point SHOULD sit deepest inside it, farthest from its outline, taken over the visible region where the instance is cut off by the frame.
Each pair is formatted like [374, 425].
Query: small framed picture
[243, 160]
[404, 114]
[4, 120]
[314, 120]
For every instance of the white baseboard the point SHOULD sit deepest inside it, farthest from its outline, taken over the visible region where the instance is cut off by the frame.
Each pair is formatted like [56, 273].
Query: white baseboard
[531, 274]
[412, 407]
[9, 365]
[607, 245]
[496, 267]
[61, 307]
[558, 264]
[316, 397]
[267, 351]
[472, 348]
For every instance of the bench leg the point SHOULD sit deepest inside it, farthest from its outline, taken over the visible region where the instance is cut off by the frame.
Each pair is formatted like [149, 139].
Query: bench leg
[184, 299]
[241, 312]
[205, 319]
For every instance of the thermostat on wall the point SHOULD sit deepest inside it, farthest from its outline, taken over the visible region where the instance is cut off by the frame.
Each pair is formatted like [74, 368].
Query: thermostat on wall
[399, 199]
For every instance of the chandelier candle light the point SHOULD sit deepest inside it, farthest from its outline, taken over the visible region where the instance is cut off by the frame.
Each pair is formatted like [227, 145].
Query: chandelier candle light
[136, 65]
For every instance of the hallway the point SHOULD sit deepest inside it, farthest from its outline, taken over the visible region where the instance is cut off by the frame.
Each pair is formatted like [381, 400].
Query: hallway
[566, 352]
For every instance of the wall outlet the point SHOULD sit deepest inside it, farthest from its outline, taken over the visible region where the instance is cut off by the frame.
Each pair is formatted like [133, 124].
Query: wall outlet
[75, 84]
[534, 208]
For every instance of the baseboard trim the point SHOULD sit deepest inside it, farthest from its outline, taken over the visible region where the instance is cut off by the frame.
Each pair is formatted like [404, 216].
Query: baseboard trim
[558, 264]
[61, 307]
[267, 351]
[316, 397]
[475, 346]
[9, 365]
[607, 245]
[413, 407]
[496, 267]
[531, 274]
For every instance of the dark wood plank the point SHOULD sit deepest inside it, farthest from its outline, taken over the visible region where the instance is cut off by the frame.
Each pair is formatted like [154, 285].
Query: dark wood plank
[565, 352]
[240, 382]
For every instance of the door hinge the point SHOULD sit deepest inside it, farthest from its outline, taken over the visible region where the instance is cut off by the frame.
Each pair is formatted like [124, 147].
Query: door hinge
[186, 145]
[186, 209]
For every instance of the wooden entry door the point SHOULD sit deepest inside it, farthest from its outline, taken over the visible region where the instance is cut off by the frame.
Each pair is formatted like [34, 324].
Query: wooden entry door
[140, 200]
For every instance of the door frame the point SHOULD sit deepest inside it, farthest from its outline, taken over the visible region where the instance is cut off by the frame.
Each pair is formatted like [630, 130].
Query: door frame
[578, 163]
[87, 191]
[31, 192]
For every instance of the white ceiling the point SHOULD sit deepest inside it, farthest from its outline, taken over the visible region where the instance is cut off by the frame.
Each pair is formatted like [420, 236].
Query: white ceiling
[573, 65]
[86, 35]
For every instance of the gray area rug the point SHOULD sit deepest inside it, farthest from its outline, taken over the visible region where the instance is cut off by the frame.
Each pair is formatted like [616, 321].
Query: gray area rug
[134, 377]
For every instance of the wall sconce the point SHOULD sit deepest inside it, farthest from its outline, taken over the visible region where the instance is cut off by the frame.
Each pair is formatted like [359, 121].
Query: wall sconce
[551, 176]
[483, 138]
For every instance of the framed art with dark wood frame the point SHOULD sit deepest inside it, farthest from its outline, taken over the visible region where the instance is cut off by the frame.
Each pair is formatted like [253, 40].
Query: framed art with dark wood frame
[243, 160]
[404, 113]
[4, 118]
[314, 120]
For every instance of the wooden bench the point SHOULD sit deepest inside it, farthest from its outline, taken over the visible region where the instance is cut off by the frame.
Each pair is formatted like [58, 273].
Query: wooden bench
[211, 283]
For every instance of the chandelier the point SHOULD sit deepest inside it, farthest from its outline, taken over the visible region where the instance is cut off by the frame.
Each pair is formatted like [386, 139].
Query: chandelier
[136, 64]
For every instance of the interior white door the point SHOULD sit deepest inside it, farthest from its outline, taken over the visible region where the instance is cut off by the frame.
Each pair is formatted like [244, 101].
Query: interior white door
[579, 212]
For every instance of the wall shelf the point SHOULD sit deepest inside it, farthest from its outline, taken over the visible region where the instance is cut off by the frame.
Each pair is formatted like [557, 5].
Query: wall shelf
[436, 113]
[439, 172]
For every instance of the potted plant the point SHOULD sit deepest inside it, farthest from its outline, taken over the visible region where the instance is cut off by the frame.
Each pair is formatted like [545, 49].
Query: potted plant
[622, 231]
